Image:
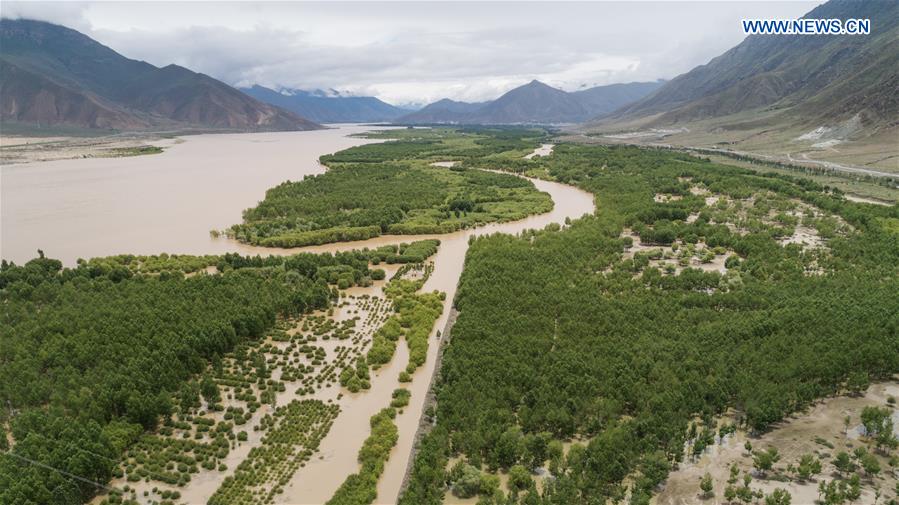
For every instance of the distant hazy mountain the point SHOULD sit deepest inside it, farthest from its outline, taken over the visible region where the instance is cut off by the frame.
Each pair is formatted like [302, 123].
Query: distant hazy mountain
[805, 77]
[442, 111]
[602, 100]
[328, 108]
[534, 103]
[52, 75]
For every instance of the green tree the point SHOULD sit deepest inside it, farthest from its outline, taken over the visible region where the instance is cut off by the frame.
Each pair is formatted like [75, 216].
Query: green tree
[854, 490]
[467, 483]
[886, 440]
[857, 382]
[808, 466]
[778, 497]
[536, 448]
[843, 462]
[210, 390]
[730, 493]
[707, 485]
[556, 453]
[190, 396]
[509, 447]
[870, 463]
[519, 478]
[764, 461]
[878, 425]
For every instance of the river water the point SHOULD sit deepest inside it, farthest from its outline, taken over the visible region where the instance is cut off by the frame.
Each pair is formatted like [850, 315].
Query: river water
[169, 202]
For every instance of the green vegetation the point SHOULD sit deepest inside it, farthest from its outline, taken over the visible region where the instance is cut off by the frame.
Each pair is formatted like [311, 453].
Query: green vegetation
[361, 488]
[390, 188]
[124, 265]
[297, 429]
[201, 430]
[416, 252]
[121, 152]
[849, 179]
[149, 264]
[400, 398]
[414, 317]
[443, 144]
[89, 360]
[584, 338]
[416, 314]
[98, 356]
[846, 182]
[878, 423]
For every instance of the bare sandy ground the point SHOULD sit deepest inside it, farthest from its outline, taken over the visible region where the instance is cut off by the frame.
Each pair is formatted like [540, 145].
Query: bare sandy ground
[543, 150]
[10, 141]
[861, 199]
[819, 431]
[15, 150]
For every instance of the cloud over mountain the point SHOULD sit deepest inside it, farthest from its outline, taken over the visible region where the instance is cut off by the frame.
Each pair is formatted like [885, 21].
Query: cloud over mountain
[418, 52]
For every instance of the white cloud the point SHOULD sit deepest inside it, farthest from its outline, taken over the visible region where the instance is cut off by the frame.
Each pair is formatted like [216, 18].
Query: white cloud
[70, 14]
[416, 51]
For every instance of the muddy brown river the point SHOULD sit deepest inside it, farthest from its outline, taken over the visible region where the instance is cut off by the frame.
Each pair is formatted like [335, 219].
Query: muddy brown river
[168, 203]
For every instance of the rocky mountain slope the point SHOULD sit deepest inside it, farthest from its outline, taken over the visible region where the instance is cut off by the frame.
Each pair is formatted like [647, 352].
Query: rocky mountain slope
[52, 75]
[802, 78]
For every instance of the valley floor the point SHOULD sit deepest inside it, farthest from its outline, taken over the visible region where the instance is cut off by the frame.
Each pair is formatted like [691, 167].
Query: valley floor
[837, 146]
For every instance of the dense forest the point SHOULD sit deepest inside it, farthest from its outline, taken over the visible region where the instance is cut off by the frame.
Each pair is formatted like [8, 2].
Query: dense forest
[442, 144]
[391, 188]
[93, 356]
[608, 334]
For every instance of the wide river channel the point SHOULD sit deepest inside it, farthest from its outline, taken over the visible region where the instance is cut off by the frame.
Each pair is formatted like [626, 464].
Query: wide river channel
[169, 202]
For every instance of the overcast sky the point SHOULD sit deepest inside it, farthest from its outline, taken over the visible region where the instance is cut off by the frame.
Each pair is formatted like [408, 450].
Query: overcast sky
[406, 52]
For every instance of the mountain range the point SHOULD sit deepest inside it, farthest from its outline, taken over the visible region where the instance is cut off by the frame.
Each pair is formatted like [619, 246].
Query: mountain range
[534, 103]
[788, 80]
[768, 90]
[53, 75]
[323, 107]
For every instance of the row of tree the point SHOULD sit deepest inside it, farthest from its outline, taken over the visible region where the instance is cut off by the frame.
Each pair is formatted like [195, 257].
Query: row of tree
[90, 357]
